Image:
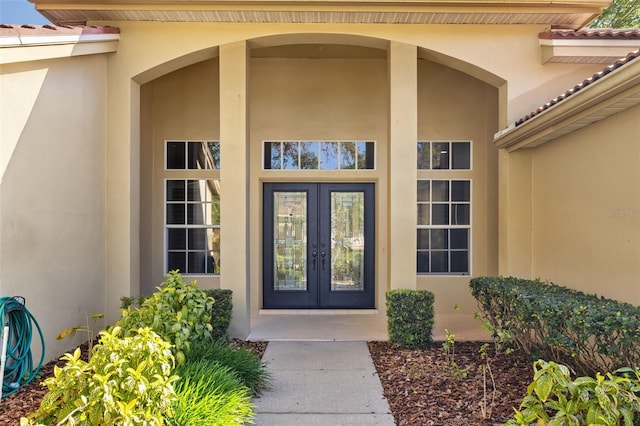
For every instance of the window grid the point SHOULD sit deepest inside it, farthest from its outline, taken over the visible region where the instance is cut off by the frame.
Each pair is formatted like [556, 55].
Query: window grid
[318, 155]
[192, 155]
[192, 207]
[444, 226]
[192, 226]
[444, 155]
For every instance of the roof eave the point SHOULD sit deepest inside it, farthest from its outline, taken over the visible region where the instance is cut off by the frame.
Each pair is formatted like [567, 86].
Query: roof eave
[556, 14]
[586, 51]
[617, 91]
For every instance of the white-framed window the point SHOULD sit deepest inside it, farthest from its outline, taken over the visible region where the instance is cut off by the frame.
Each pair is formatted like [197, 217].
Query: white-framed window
[444, 155]
[444, 207]
[318, 155]
[192, 155]
[192, 207]
[444, 226]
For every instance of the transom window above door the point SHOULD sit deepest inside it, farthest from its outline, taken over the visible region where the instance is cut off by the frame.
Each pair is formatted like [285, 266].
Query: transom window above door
[319, 155]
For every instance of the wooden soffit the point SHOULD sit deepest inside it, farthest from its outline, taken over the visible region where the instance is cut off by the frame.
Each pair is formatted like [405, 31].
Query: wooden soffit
[557, 14]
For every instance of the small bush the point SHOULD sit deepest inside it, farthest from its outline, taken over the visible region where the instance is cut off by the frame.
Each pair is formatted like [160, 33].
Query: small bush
[554, 399]
[221, 311]
[179, 312]
[586, 332]
[410, 317]
[127, 381]
[251, 371]
[209, 393]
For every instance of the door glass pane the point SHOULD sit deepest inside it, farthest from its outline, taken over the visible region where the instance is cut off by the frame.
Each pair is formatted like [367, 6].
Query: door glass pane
[347, 241]
[290, 241]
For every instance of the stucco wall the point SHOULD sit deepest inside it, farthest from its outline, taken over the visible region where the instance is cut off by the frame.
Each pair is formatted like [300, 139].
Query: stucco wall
[312, 99]
[327, 99]
[182, 105]
[455, 106]
[52, 195]
[509, 82]
[586, 209]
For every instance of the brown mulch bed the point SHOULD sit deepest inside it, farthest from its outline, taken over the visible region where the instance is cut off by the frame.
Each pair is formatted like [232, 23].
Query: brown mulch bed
[421, 385]
[423, 388]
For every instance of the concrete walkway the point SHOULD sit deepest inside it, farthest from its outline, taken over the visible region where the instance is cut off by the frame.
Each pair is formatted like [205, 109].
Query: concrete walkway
[321, 383]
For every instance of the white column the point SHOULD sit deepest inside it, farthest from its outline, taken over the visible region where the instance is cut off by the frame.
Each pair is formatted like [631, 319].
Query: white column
[234, 176]
[403, 137]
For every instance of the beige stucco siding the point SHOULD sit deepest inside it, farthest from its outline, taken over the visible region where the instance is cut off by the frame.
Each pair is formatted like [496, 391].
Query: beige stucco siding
[183, 105]
[312, 99]
[52, 194]
[469, 90]
[586, 209]
[455, 106]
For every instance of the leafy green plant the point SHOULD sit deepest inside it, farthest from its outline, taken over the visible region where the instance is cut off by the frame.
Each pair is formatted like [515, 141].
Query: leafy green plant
[554, 399]
[131, 302]
[179, 312]
[86, 328]
[221, 311]
[585, 332]
[410, 317]
[449, 347]
[209, 393]
[251, 371]
[127, 381]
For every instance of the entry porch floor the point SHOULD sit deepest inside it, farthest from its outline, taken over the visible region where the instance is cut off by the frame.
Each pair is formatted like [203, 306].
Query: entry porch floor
[348, 325]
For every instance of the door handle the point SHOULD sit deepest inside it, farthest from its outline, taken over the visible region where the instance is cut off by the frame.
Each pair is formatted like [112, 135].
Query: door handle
[323, 254]
[314, 254]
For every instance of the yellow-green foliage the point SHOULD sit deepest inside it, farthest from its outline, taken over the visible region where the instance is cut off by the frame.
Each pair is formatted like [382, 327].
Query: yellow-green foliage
[179, 312]
[554, 399]
[127, 381]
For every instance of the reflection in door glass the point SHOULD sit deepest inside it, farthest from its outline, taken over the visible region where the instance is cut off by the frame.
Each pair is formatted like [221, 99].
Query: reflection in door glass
[290, 241]
[347, 241]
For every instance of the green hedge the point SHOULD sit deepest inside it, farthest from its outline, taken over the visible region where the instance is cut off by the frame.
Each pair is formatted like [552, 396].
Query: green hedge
[589, 333]
[410, 317]
[221, 311]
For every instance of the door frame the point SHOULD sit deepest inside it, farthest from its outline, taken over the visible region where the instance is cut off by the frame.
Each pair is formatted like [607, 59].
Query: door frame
[318, 294]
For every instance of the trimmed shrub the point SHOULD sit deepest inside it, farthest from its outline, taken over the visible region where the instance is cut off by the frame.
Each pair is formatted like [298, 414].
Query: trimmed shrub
[251, 371]
[209, 393]
[127, 381]
[179, 312]
[554, 399]
[410, 317]
[221, 311]
[588, 333]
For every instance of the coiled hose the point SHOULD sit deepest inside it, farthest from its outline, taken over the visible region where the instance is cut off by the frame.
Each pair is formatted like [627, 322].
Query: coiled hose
[18, 370]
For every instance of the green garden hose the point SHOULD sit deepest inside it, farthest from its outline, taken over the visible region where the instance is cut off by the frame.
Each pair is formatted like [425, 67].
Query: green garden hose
[19, 369]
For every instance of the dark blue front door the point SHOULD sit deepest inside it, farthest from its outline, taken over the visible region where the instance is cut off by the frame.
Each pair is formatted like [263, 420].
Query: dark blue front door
[318, 245]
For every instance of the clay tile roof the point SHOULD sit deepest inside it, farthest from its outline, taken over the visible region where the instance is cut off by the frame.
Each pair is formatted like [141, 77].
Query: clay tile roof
[619, 63]
[592, 34]
[53, 30]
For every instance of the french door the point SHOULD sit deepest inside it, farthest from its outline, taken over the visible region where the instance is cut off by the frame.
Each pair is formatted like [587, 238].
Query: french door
[318, 245]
